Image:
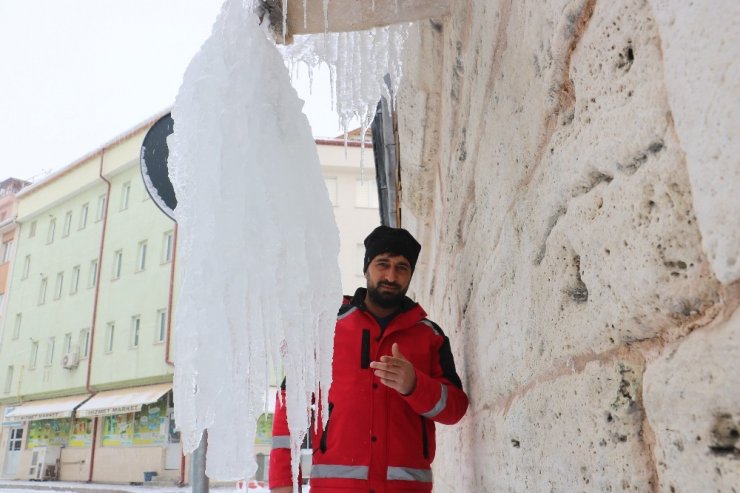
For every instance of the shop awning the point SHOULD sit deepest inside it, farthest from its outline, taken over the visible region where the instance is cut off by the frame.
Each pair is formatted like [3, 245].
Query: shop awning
[122, 401]
[61, 407]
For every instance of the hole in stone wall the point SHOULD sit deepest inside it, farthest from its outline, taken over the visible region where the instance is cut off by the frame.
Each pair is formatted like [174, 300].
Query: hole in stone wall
[579, 292]
[725, 436]
[625, 58]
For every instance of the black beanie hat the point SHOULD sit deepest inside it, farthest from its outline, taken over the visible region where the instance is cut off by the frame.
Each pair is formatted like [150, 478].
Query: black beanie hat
[385, 239]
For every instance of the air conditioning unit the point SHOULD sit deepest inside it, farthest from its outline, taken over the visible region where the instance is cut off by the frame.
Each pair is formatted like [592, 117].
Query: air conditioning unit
[71, 360]
[44, 464]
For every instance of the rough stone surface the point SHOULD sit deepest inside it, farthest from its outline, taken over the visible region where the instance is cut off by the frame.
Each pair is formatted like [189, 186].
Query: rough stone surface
[543, 172]
[700, 47]
[694, 411]
[577, 430]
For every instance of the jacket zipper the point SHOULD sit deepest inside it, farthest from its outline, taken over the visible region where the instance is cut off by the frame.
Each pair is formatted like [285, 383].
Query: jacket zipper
[322, 444]
[424, 438]
[365, 350]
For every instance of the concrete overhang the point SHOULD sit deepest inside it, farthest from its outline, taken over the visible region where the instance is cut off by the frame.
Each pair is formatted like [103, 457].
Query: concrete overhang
[348, 15]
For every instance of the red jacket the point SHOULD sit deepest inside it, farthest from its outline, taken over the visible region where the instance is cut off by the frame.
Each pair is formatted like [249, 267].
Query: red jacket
[377, 440]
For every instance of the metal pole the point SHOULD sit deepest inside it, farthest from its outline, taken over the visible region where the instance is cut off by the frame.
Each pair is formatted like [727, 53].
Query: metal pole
[198, 478]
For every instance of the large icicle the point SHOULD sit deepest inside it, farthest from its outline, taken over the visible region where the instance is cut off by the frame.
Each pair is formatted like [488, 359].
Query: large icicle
[259, 280]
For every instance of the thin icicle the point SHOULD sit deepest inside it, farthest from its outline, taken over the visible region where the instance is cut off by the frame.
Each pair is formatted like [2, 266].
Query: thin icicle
[305, 14]
[310, 69]
[333, 87]
[363, 131]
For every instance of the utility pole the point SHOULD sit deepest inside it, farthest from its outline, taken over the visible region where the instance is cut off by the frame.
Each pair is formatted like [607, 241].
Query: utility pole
[198, 479]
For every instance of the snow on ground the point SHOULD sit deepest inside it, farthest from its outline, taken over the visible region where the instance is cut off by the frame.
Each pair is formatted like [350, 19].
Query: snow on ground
[8, 486]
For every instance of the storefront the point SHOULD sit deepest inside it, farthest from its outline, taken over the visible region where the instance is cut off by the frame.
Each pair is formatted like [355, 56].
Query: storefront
[135, 434]
[114, 436]
[42, 424]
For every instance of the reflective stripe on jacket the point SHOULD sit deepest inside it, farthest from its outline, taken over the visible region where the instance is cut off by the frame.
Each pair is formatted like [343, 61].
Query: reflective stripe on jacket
[376, 439]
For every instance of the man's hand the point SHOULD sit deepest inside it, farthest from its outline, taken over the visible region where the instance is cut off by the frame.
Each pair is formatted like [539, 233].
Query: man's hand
[396, 371]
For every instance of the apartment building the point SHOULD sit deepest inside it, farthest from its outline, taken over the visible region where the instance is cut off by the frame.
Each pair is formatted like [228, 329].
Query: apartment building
[8, 190]
[85, 352]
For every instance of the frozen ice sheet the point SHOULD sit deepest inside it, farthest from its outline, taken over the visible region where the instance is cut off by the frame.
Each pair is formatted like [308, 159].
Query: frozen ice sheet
[258, 273]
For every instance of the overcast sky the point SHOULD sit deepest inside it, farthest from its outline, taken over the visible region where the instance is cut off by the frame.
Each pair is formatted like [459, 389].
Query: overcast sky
[76, 73]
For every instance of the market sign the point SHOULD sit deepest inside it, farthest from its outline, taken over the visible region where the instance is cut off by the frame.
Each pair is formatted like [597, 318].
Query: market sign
[122, 401]
[61, 407]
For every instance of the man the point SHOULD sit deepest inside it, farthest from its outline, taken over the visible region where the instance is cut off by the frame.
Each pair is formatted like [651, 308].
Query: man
[393, 377]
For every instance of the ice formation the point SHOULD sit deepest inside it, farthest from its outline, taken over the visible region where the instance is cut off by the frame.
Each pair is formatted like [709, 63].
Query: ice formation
[358, 62]
[259, 279]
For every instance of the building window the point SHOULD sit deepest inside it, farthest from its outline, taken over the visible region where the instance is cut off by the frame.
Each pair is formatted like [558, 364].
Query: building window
[59, 285]
[92, 278]
[101, 208]
[50, 351]
[110, 332]
[67, 224]
[161, 325]
[168, 243]
[32, 230]
[9, 380]
[7, 247]
[52, 230]
[75, 282]
[17, 326]
[117, 261]
[135, 331]
[84, 343]
[42, 291]
[83, 215]
[141, 257]
[366, 194]
[360, 259]
[15, 439]
[331, 187]
[67, 342]
[26, 267]
[125, 193]
[34, 355]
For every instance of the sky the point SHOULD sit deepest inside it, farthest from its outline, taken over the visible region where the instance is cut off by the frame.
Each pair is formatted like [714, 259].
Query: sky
[75, 74]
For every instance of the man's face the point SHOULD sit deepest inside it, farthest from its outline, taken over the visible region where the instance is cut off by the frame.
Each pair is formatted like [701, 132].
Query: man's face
[388, 277]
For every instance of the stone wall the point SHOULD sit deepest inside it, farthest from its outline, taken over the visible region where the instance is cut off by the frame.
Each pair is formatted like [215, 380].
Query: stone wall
[572, 170]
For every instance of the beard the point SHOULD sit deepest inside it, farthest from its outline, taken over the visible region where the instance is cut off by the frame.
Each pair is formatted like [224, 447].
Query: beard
[386, 299]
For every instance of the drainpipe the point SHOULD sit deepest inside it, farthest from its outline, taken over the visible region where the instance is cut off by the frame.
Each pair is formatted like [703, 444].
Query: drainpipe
[88, 388]
[167, 358]
[398, 164]
[182, 469]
